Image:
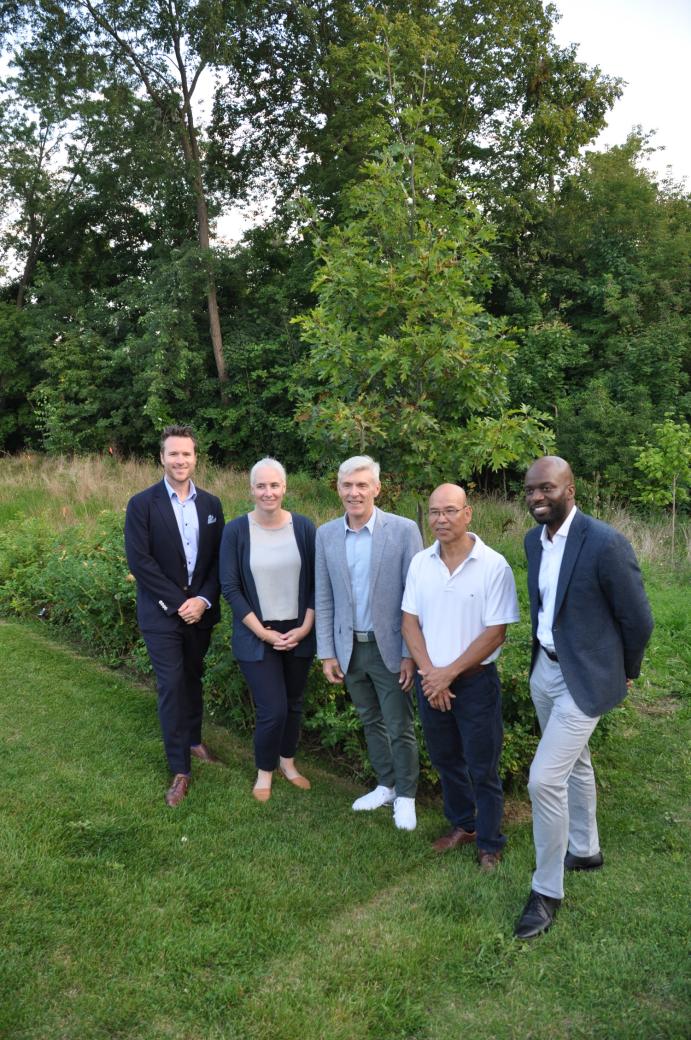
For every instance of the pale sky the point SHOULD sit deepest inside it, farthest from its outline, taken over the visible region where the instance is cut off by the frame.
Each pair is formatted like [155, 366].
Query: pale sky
[648, 44]
[645, 42]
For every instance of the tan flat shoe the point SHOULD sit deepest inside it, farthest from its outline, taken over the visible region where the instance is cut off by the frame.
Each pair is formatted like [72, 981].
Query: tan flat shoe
[298, 781]
[262, 794]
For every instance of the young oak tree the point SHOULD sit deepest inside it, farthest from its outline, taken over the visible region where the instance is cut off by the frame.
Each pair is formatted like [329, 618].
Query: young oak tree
[665, 462]
[404, 361]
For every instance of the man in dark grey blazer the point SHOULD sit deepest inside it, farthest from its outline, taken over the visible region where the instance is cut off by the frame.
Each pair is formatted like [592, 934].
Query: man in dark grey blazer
[591, 622]
[172, 537]
[361, 564]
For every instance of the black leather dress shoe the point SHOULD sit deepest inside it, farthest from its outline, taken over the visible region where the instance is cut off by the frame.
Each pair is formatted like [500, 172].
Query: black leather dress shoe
[538, 914]
[572, 862]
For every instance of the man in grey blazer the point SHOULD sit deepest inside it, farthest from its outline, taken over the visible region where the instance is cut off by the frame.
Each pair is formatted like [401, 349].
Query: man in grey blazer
[591, 622]
[361, 565]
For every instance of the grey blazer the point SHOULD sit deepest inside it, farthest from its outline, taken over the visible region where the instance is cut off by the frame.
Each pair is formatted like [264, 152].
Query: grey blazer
[602, 619]
[395, 540]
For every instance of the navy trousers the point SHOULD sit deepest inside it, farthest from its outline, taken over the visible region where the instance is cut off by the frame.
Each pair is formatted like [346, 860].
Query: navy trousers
[465, 745]
[177, 658]
[277, 684]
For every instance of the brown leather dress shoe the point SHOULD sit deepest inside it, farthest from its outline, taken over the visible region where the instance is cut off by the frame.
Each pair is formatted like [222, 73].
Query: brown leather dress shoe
[453, 839]
[202, 752]
[177, 790]
[488, 860]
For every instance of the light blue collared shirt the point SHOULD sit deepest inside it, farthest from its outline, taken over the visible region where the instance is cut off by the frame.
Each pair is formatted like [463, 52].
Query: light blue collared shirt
[188, 524]
[358, 547]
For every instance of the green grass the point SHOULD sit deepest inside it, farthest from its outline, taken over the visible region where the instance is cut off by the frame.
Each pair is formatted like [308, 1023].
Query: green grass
[300, 920]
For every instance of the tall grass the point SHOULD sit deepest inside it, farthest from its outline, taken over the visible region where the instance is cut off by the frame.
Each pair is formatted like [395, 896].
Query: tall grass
[67, 490]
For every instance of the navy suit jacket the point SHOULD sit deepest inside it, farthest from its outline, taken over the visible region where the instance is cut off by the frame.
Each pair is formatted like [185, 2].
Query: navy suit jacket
[241, 592]
[156, 558]
[602, 618]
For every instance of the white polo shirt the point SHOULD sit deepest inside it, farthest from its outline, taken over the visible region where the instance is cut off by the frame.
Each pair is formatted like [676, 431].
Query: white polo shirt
[454, 609]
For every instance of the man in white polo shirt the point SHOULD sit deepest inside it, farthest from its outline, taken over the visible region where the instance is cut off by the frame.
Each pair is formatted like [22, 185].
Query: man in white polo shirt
[459, 597]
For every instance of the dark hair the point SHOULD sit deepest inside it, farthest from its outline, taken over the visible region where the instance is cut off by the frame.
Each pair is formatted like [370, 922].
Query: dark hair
[178, 431]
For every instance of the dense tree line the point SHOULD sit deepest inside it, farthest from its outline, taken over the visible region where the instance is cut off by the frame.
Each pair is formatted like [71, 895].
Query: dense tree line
[443, 274]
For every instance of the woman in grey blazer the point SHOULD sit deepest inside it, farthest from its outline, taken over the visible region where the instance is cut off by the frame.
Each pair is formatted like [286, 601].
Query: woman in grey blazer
[267, 577]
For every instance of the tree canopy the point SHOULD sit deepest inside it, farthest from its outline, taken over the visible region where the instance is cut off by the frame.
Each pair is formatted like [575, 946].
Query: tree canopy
[444, 266]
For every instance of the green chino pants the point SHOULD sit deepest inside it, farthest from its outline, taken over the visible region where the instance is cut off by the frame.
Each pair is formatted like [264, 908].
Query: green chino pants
[386, 713]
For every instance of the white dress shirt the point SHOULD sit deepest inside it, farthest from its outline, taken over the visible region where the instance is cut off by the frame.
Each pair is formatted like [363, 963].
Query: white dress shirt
[550, 565]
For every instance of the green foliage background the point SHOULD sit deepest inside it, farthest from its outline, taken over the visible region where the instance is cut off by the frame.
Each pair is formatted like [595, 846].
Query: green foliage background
[574, 267]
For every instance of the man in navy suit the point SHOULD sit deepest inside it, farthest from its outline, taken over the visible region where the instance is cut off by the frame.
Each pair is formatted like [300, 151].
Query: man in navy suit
[172, 538]
[591, 622]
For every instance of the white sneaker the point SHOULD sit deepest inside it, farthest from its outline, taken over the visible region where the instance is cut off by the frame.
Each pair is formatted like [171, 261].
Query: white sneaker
[379, 796]
[404, 814]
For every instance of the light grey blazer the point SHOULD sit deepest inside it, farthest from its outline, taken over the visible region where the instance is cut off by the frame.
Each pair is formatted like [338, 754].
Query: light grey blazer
[395, 540]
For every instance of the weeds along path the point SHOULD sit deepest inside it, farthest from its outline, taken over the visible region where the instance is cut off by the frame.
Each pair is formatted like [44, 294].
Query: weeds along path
[228, 920]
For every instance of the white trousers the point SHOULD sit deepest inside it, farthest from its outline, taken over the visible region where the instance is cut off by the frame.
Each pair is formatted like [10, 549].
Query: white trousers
[562, 782]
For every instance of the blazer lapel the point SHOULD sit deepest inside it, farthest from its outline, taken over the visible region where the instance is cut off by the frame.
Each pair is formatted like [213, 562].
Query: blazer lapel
[379, 536]
[574, 541]
[202, 520]
[340, 540]
[534, 557]
[167, 512]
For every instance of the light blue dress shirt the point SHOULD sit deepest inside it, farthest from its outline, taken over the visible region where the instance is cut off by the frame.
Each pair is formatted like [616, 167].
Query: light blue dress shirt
[188, 525]
[358, 546]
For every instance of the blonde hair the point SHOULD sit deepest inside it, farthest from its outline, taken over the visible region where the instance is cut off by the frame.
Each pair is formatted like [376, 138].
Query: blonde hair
[273, 463]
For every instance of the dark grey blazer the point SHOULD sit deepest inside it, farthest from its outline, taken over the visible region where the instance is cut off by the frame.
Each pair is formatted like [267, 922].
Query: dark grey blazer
[602, 618]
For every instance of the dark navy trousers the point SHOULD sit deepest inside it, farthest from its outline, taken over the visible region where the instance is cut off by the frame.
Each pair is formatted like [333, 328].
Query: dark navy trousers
[277, 684]
[177, 657]
[465, 745]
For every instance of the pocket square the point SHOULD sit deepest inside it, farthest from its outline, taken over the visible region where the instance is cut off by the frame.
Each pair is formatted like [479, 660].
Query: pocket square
[211, 519]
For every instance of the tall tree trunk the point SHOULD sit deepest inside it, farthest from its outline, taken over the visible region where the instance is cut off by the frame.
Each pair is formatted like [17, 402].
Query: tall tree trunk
[211, 297]
[190, 145]
[28, 271]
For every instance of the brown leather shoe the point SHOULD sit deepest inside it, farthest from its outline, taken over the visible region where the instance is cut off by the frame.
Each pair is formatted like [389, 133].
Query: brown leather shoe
[202, 752]
[488, 861]
[262, 794]
[177, 790]
[453, 839]
[298, 780]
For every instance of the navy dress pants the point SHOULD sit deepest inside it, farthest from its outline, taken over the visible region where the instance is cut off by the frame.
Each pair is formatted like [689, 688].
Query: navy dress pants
[277, 684]
[177, 657]
[465, 745]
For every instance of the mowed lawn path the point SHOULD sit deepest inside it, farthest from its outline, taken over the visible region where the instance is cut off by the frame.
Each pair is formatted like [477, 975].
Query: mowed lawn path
[300, 920]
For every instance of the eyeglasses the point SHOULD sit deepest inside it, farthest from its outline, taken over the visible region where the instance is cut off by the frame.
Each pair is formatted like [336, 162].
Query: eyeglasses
[451, 513]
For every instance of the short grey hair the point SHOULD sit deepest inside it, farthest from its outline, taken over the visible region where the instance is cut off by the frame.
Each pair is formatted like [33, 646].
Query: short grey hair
[356, 462]
[273, 463]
